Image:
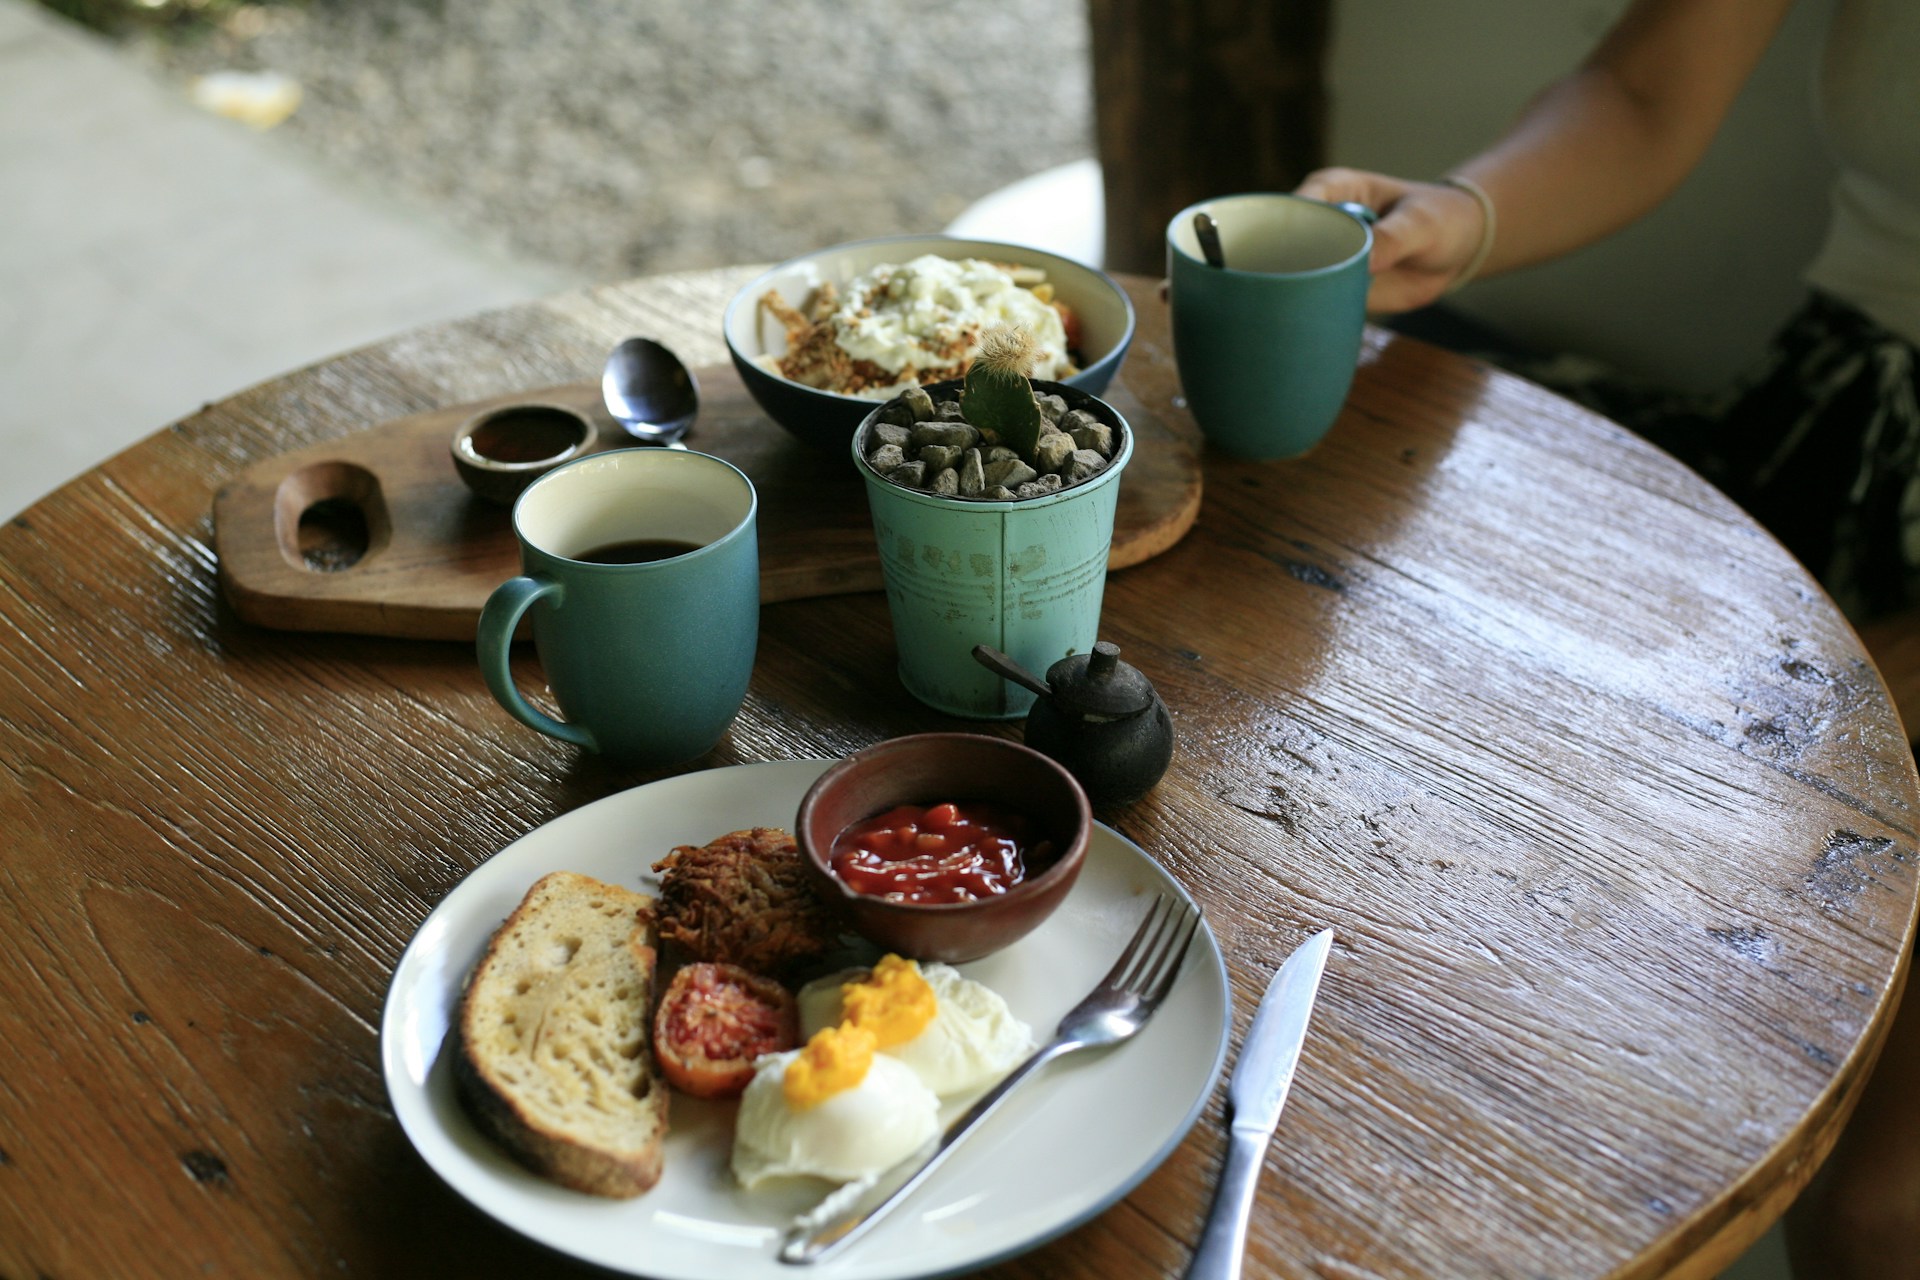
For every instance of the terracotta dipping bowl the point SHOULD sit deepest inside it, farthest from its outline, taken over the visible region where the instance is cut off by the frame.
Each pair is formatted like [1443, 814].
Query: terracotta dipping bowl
[501, 451]
[928, 768]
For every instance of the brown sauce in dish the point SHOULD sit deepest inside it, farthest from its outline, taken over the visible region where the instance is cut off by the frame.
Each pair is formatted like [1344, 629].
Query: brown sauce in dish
[526, 435]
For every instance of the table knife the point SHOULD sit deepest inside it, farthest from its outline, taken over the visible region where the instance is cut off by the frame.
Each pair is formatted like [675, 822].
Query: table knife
[1255, 1095]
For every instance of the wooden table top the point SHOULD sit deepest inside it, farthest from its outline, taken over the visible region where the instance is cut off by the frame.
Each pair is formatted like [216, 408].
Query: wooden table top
[1608, 808]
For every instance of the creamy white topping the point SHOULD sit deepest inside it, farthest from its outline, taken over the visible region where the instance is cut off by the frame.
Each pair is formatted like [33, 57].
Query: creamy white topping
[928, 314]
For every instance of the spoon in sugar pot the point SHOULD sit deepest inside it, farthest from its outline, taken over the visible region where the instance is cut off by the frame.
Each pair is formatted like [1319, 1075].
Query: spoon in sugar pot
[650, 392]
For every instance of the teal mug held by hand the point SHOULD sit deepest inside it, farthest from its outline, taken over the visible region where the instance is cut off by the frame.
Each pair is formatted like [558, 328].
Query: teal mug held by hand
[1267, 345]
[641, 574]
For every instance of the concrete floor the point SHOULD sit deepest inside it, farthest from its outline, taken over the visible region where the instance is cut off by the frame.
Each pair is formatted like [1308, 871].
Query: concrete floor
[154, 257]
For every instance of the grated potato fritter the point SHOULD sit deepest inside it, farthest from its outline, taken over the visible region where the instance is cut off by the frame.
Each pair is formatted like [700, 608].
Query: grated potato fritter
[743, 898]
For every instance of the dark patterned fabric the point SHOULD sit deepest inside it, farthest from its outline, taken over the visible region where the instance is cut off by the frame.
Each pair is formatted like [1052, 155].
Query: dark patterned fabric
[1821, 444]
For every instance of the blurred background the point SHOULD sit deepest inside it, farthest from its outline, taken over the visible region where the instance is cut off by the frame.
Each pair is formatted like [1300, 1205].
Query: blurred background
[196, 195]
[616, 137]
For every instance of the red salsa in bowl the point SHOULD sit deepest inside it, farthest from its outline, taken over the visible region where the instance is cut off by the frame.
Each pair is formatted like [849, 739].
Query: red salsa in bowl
[947, 852]
[944, 846]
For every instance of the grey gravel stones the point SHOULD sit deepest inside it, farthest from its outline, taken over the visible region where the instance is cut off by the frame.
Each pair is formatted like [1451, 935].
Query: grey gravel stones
[918, 403]
[1054, 450]
[955, 434]
[1011, 472]
[908, 409]
[939, 457]
[614, 138]
[1083, 463]
[919, 443]
[973, 474]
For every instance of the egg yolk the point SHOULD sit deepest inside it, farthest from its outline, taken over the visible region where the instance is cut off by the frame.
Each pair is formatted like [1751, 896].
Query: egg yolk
[835, 1059]
[894, 1003]
[890, 1006]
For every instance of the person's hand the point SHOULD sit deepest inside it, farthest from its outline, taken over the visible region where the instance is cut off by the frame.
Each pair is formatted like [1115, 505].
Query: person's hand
[1426, 235]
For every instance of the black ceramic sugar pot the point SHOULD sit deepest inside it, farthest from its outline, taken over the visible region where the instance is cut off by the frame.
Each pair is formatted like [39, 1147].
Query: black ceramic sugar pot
[1097, 716]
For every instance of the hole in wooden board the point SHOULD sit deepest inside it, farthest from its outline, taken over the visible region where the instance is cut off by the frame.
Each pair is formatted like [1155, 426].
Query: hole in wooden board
[333, 535]
[330, 517]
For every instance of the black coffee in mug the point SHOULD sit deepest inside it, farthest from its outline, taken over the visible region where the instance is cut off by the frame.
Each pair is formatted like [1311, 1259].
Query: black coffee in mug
[638, 551]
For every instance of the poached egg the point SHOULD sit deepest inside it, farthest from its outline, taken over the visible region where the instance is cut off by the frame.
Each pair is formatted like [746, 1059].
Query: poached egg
[972, 1040]
[847, 1134]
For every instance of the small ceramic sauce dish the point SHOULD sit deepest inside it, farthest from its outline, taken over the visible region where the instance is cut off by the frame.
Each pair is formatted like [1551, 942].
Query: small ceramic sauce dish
[502, 451]
[947, 770]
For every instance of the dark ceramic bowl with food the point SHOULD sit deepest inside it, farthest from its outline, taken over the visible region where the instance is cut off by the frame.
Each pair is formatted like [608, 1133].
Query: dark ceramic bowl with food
[501, 451]
[861, 827]
[762, 316]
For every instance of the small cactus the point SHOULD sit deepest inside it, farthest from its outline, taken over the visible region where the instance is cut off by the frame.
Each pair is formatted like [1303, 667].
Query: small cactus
[998, 441]
[998, 397]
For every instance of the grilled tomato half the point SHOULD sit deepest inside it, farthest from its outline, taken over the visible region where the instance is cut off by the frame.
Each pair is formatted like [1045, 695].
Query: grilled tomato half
[713, 1021]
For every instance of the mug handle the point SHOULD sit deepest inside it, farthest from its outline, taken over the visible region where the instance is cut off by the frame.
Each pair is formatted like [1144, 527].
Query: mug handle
[498, 621]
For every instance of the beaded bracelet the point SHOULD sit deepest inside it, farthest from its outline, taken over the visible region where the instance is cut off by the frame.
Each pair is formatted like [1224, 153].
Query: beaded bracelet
[1485, 201]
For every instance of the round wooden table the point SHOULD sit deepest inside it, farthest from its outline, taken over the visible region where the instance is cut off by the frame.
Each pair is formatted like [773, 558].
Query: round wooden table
[1608, 809]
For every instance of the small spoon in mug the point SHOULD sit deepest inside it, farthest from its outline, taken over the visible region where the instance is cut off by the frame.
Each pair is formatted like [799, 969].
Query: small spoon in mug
[1209, 233]
[650, 392]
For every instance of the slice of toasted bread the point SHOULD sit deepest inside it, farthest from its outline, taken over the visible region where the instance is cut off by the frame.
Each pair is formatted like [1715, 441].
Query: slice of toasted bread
[553, 1055]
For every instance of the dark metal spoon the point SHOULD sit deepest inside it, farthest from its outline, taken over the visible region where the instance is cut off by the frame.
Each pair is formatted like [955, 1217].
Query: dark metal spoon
[650, 392]
[1209, 233]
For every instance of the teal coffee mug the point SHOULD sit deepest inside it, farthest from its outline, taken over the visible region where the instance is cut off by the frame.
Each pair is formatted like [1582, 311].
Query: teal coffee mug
[641, 575]
[1267, 344]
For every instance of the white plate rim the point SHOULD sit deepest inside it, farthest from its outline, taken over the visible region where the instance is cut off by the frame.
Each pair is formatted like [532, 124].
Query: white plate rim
[410, 1094]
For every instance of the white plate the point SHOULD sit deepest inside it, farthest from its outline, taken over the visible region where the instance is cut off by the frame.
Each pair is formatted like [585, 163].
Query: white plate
[1064, 1147]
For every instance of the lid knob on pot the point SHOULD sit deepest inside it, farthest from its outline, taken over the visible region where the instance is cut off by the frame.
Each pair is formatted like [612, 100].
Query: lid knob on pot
[1098, 685]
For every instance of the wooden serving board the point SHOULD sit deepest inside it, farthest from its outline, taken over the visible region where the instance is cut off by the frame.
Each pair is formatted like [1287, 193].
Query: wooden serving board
[375, 534]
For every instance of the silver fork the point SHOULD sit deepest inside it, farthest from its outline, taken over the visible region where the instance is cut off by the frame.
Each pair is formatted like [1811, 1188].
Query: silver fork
[1119, 1006]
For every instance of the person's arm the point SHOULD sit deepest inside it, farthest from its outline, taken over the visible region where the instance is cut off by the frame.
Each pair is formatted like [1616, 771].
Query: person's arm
[1590, 154]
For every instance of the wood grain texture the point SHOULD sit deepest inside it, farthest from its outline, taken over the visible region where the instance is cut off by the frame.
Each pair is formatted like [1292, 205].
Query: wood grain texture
[431, 552]
[1610, 812]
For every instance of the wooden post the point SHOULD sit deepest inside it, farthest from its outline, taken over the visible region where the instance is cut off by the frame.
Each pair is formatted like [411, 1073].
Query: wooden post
[1198, 98]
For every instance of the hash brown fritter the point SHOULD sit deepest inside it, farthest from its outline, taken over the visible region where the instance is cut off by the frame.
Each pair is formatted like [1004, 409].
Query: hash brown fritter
[743, 898]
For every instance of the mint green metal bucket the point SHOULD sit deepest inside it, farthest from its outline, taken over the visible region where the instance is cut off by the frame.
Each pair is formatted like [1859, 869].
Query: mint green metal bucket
[1024, 577]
